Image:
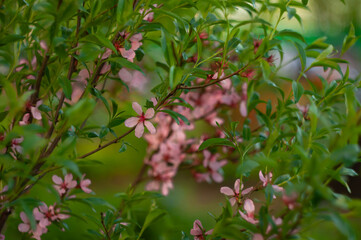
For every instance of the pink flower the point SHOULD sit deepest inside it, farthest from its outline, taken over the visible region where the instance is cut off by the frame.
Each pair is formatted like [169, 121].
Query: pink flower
[265, 179]
[141, 120]
[25, 225]
[249, 73]
[46, 215]
[257, 236]
[84, 183]
[63, 186]
[249, 207]
[148, 15]
[304, 109]
[277, 221]
[198, 231]
[234, 194]
[25, 120]
[135, 42]
[268, 179]
[2, 237]
[15, 144]
[210, 162]
[256, 44]
[134, 79]
[290, 200]
[270, 60]
[35, 111]
[162, 176]
[243, 104]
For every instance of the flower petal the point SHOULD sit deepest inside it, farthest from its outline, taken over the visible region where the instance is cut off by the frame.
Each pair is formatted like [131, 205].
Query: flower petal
[217, 177]
[139, 130]
[131, 122]
[247, 190]
[149, 113]
[150, 127]
[249, 207]
[137, 108]
[233, 201]
[243, 108]
[227, 191]
[23, 227]
[68, 178]
[24, 217]
[36, 113]
[37, 214]
[236, 185]
[128, 54]
[57, 180]
[261, 177]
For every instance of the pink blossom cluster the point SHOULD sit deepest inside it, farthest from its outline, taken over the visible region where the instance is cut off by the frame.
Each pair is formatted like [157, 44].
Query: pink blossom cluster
[63, 187]
[241, 197]
[169, 147]
[135, 43]
[45, 215]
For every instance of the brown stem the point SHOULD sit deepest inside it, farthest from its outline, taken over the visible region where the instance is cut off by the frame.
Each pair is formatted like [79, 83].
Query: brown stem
[107, 144]
[72, 68]
[105, 227]
[39, 77]
[4, 216]
[216, 81]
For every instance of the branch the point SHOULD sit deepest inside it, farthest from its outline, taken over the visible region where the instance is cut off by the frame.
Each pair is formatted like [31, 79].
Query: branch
[216, 81]
[105, 227]
[107, 144]
[39, 77]
[72, 68]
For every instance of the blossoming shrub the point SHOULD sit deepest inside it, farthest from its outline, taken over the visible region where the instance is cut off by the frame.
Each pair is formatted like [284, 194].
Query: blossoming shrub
[222, 94]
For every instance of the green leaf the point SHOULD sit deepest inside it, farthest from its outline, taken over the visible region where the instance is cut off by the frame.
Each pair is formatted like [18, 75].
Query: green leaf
[215, 142]
[71, 165]
[125, 63]
[305, 2]
[95, 92]
[176, 115]
[3, 115]
[291, 12]
[80, 111]
[325, 53]
[282, 179]
[291, 34]
[116, 122]
[199, 47]
[120, 10]
[297, 90]
[246, 132]
[153, 216]
[349, 40]
[302, 54]
[9, 38]
[347, 155]
[65, 83]
[342, 224]
[100, 40]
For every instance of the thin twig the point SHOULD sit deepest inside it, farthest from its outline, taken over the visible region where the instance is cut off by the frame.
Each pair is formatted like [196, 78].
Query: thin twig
[107, 144]
[39, 77]
[72, 68]
[105, 227]
[216, 81]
